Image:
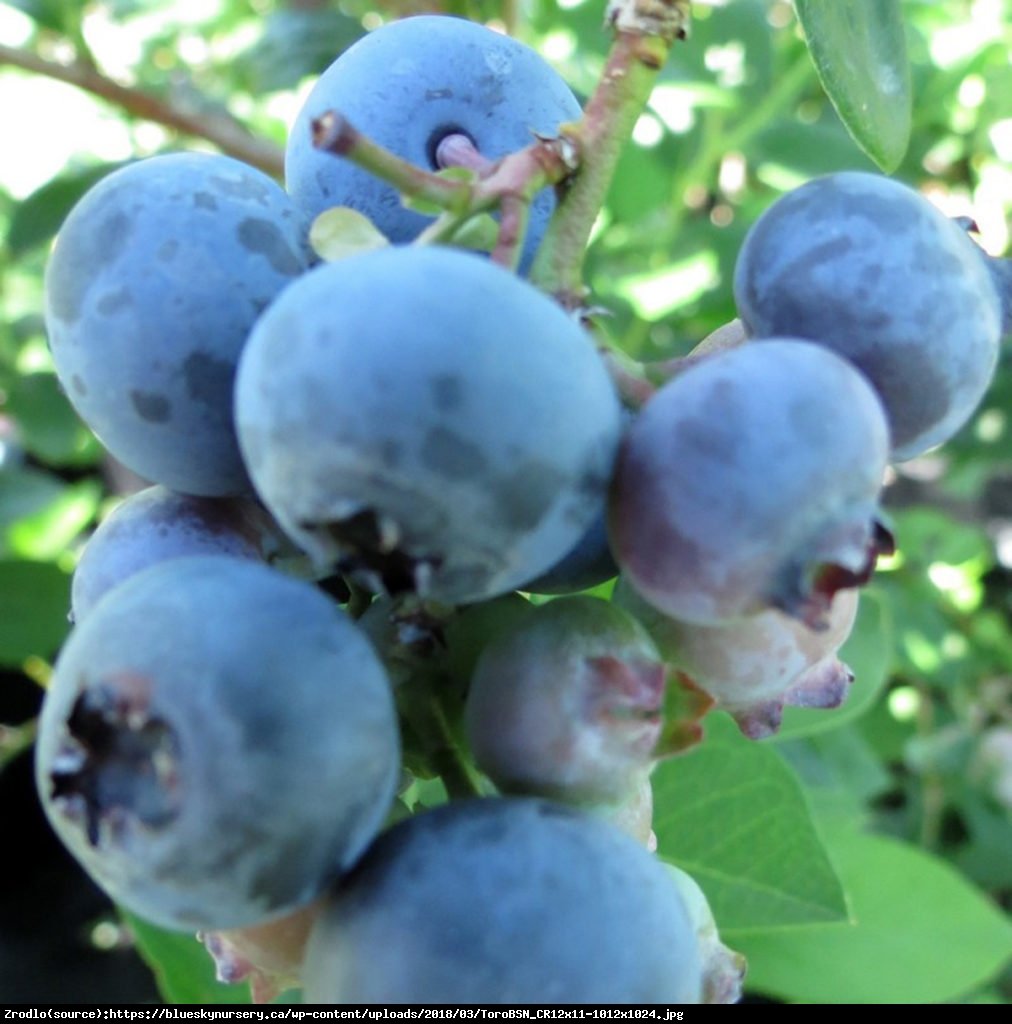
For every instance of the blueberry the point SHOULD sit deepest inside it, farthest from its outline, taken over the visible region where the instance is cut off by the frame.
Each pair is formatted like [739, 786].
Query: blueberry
[587, 564]
[218, 742]
[409, 85]
[504, 901]
[427, 420]
[869, 268]
[568, 703]
[158, 274]
[754, 666]
[1001, 274]
[723, 969]
[155, 524]
[751, 481]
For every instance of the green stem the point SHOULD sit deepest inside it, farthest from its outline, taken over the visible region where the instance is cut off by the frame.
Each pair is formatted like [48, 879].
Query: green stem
[441, 229]
[449, 760]
[223, 131]
[359, 599]
[334, 133]
[607, 123]
[510, 183]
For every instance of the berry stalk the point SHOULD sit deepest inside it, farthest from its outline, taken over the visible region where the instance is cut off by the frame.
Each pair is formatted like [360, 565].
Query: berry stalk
[644, 33]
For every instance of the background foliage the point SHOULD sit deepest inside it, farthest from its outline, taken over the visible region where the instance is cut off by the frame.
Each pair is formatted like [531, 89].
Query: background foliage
[863, 855]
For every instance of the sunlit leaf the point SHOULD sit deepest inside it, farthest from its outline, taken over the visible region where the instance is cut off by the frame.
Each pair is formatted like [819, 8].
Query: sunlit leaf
[57, 15]
[47, 425]
[920, 933]
[732, 814]
[859, 50]
[36, 219]
[49, 532]
[34, 600]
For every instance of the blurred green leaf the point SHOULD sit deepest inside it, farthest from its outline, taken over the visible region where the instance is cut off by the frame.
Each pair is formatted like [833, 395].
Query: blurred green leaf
[859, 50]
[47, 425]
[733, 815]
[37, 218]
[840, 770]
[51, 531]
[294, 45]
[34, 601]
[921, 933]
[183, 969]
[57, 15]
[25, 493]
[808, 150]
[40, 515]
[985, 855]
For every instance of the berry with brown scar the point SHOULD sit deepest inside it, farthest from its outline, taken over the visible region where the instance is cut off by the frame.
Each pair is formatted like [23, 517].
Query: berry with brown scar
[218, 742]
[568, 703]
[453, 441]
[754, 666]
[751, 481]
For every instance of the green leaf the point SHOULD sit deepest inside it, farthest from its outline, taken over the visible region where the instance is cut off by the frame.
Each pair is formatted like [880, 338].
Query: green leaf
[37, 218]
[294, 44]
[25, 493]
[342, 232]
[985, 855]
[859, 51]
[47, 425]
[732, 814]
[869, 654]
[57, 15]
[840, 771]
[921, 934]
[34, 600]
[48, 534]
[182, 967]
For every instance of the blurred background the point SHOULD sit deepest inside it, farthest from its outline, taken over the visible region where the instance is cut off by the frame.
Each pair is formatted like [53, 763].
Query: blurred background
[924, 754]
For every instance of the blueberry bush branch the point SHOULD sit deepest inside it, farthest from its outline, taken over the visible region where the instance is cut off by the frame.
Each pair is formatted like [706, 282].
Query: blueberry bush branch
[229, 135]
[644, 33]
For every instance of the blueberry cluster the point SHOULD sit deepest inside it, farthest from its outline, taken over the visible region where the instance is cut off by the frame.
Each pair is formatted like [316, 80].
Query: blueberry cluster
[363, 469]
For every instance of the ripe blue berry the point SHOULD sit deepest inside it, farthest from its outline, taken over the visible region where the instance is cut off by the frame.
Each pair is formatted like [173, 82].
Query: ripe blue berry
[156, 524]
[409, 85]
[158, 274]
[869, 268]
[751, 481]
[505, 901]
[454, 440]
[218, 742]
